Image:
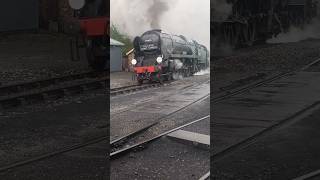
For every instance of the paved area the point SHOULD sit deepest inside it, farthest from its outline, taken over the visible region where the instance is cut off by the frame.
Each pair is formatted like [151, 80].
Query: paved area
[120, 79]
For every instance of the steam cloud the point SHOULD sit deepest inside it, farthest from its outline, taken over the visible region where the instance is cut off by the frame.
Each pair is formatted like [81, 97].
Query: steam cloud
[296, 34]
[190, 18]
[221, 10]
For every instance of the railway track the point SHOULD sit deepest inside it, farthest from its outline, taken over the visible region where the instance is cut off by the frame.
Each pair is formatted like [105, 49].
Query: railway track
[268, 130]
[125, 150]
[205, 177]
[54, 153]
[120, 142]
[13, 95]
[133, 88]
[224, 95]
[146, 149]
[312, 175]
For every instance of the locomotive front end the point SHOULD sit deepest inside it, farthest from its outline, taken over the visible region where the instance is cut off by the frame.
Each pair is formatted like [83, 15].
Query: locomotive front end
[148, 63]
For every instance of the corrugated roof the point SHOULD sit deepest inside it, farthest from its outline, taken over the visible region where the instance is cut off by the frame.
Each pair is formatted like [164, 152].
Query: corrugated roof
[115, 42]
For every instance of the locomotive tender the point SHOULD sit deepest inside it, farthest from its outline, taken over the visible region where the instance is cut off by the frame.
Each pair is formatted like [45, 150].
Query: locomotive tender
[161, 56]
[258, 20]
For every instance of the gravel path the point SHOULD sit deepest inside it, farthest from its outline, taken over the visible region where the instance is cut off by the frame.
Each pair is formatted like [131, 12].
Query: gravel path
[29, 56]
[268, 59]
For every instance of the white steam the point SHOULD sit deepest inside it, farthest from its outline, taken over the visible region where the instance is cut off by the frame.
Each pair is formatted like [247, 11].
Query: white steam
[177, 64]
[203, 72]
[296, 34]
[190, 18]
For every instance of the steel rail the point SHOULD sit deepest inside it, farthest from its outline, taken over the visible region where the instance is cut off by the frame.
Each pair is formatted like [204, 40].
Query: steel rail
[309, 175]
[205, 177]
[22, 98]
[127, 149]
[55, 153]
[42, 83]
[222, 96]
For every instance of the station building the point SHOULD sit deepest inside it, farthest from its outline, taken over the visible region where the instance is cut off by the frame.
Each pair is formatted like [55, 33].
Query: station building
[116, 61]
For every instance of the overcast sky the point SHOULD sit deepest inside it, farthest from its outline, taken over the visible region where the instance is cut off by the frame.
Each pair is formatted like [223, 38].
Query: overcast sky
[190, 18]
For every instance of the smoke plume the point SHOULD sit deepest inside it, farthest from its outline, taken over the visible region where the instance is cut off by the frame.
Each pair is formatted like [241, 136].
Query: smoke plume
[155, 12]
[190, 18]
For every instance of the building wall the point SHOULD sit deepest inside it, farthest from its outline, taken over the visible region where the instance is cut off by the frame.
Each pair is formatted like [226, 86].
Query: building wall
[56, 15]
[23, 16]
[115, 59]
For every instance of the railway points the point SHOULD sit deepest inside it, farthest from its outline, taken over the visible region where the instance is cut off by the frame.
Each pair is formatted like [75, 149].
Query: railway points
[162, 112]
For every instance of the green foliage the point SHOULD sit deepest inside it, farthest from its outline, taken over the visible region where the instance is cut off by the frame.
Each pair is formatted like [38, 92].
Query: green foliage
[122, 37]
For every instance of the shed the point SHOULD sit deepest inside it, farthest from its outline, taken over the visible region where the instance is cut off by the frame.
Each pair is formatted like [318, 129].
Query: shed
[19, 15]
[115, 55]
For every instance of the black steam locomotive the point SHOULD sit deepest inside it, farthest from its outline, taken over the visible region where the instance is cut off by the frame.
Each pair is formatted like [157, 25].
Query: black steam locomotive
[250, 21]
[161, 56]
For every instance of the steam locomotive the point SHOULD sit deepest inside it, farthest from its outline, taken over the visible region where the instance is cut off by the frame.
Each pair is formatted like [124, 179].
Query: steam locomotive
[160, 56]
[253, 21]
[94, 25]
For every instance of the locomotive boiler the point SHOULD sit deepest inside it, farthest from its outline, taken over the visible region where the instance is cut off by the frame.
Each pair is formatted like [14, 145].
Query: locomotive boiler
[94, 23]
[250, 21]
[161, 56]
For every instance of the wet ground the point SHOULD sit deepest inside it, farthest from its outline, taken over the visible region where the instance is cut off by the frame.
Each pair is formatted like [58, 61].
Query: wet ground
[165, 158]
[289, 105]
[169, 158]
[28, 134]
[269, 59]
[288, 153]
[120, 79]
[30, 56]
[132, 111]
[86, 163]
